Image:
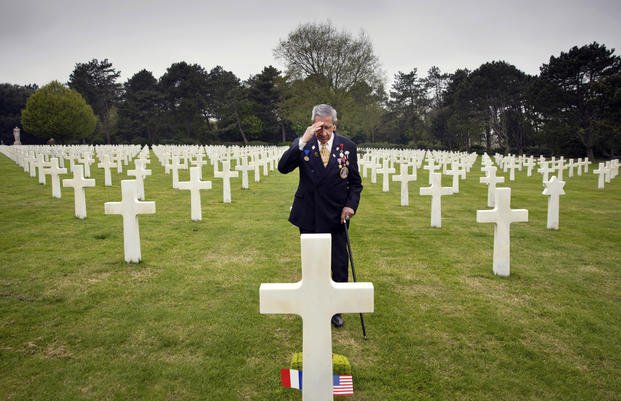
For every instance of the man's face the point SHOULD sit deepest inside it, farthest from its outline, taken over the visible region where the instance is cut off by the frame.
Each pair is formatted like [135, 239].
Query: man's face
[328, 127]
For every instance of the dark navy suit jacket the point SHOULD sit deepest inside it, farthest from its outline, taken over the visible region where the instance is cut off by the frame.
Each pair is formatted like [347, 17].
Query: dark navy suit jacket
[322, 191]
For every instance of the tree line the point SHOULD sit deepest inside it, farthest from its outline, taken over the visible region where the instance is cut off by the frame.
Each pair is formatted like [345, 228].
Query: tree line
[573, 107]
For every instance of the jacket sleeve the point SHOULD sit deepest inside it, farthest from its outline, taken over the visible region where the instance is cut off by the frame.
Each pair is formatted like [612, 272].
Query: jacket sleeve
[355, 182]
[290, 159]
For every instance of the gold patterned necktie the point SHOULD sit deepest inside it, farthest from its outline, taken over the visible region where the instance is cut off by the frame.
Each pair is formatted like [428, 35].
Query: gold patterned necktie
[325, 155]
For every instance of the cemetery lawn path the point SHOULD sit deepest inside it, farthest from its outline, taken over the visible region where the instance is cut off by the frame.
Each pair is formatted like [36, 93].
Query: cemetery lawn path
[78, 323]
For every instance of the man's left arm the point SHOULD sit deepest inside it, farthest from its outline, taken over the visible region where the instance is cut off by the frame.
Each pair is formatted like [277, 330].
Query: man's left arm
[355, 187]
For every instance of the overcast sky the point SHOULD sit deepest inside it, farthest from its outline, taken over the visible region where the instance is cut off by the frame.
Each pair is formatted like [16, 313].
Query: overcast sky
[42, 40]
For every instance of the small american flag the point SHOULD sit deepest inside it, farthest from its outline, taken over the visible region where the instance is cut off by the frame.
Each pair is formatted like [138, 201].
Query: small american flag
[341, 384]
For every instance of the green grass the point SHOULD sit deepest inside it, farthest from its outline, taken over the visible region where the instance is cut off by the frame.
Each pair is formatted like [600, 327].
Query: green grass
[78, 323]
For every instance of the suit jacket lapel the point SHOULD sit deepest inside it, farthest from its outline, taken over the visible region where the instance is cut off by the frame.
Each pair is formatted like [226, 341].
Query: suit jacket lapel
[332, 163]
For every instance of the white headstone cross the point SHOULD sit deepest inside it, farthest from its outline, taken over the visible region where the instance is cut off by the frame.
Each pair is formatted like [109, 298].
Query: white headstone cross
[554, 189]
[54, 171]
[140, 172]
[194, 186]
[41, 165]
[385, 171]
[226, 174]
[106, 164]
[436, 190]
[491, 180]
[316, 298]
[529, 163]
[244, 167]
[545, 170]
[130, 207]
[176, 166]
[405, 178]
[601, 175]
[455, 172]
[502, 216]
[78, 182]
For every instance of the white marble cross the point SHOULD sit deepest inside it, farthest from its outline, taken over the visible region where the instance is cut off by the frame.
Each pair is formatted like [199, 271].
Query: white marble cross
[41, 164]
[579, 164]
[176, 166]
[601, 173]
[502, 216]
[570, 168]
[87, 160]
[560, 166]
[54, 171]
[608, 172]
[455, 172]
[436, 191]
[374, 165]
[431, 167]
[491, 180]
[244, 167]
[140, 172]
[529, 163]
[226, 174]
[405, 178]
[199, 162]
[316, 298]
[257, 168]
[385, 171]
[78, 182]
[545, 170]
[586, 163]
[106, 164]
[511, 165]
[130, 207]
[554, 190]
[194, 186]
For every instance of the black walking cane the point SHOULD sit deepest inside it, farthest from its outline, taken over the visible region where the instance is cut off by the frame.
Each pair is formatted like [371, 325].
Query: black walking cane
[353, 272]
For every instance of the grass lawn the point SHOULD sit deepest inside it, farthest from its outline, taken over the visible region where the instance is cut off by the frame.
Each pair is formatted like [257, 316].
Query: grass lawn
[78, 323]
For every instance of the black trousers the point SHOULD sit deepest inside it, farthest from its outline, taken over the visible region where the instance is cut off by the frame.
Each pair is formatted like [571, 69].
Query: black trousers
[339, 253]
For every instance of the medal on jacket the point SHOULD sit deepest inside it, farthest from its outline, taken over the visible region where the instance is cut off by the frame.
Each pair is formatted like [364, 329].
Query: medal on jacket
[306, 152]
[344, 172]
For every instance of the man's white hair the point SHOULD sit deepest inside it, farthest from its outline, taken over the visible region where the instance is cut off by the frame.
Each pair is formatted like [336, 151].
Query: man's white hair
[324, 110]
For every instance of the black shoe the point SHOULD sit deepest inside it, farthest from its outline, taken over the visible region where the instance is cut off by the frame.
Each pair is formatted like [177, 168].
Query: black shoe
[337, 320]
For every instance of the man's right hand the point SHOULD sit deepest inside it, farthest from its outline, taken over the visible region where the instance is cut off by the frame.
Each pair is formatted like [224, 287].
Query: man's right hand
[311, 131]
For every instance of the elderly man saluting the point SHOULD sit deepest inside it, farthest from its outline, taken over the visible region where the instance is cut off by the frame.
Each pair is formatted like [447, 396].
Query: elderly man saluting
[329, 188]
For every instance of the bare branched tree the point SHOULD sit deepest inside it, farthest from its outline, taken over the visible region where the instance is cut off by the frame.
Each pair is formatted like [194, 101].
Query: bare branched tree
[321, 50]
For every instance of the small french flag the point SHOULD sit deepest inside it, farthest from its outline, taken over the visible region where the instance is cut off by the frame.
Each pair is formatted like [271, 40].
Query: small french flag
[341, 384]
[291, 378]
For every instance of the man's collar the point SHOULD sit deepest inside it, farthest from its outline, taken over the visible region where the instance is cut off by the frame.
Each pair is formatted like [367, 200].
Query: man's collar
[330, 141]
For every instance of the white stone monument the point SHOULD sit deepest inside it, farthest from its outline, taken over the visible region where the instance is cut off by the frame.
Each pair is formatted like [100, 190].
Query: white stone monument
[130, 207]
[16, 136]
[545, 170]
[316, 298]
[405, 178]
[529, 163]
[385, 171]
[176, 166]
[140, 172]
[601, 175]
[78, 183]
[436, 191]
[244, 167]
[106, 164]
[491, 180]
[194, 186]
[502, 216]
[554, 190]
[54, 171]
[41, 165]
[226, 174]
